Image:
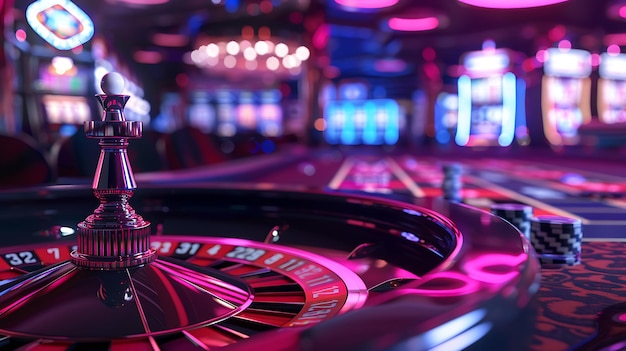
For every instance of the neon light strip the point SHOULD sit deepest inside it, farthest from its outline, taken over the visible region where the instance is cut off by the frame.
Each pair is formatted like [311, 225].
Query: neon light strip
[520, 116]
[510, 4]
[348, 128]
[367, 4]
[465, 111]
[370, 136]
[413, 24]
[509, 94]
[330, 133]
[392, 130]
[59, 43]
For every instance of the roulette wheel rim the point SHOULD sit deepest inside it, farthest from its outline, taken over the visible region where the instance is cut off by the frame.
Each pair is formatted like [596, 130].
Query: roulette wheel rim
[411, 311]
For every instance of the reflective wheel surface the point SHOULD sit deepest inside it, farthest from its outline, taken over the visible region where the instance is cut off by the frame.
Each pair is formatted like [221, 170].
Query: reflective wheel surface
[298, 269]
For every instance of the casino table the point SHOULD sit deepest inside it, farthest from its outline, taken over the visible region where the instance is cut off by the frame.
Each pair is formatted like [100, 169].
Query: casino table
[327, 271]
[350, 251]
[578, 307]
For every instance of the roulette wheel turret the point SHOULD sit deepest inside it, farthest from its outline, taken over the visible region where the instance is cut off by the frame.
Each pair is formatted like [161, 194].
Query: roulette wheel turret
[105, 285]
[249, 266]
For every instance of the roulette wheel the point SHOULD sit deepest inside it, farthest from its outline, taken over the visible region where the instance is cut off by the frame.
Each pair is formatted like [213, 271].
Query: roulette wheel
[238, 267]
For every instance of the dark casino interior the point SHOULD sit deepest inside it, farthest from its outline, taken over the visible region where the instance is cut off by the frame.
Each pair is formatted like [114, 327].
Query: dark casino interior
[313, 175]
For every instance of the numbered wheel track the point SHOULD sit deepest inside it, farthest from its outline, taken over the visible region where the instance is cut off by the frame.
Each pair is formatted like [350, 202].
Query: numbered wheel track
[319, 265]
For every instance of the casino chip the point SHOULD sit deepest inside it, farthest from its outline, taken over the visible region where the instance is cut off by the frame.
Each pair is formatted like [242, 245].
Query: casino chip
[452, 181]
[556, 239]
[518, 215]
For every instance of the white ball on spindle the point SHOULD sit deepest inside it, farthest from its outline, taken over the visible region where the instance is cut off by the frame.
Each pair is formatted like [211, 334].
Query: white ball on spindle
[112, 83]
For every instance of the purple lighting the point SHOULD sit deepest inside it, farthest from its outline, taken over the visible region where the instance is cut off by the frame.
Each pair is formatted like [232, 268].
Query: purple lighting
[413, 24]
[368, 4]
[510, 4]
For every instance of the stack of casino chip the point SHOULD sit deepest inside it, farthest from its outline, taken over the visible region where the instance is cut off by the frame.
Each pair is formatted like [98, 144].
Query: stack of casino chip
[452, 181]
[518, 215]
[557, 240]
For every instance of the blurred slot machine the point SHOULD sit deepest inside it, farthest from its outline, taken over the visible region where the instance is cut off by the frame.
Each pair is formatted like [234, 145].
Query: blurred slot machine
[419, 115]
[270, 113]
[490, 99]
[200, 113]
[446, 117]
[171, 114]
[612, 88]
[226, 113]
[246, 113]
[61, 88]
[355, 120]
[566, 94]
[56, 59]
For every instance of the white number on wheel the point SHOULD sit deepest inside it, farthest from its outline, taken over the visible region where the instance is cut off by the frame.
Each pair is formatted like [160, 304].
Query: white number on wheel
[187, 248]
[246, 253]
[55, 252]
[19, 258]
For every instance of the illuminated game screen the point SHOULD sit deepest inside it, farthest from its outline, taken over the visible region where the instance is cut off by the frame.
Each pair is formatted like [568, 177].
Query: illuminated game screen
[488, 110]
[489, 99]
[226, 114]
[246, 117]
[60, 109]
[612, 88]
[246, 111]
[614, 101]
[201, 113]
[365, 122]
[270, 120]
[486, 117]
[566, 94]
[446, 117]
[61, 77]
[270, 111]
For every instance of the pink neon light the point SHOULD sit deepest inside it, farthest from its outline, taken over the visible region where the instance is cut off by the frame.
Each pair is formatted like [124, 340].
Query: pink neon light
[557, 33]
[565, 44]
[148, 57]
[613, 49]
[619, 39]
[510, 4]
[622, 11]
[595, 60]
[369, 4]
[478, 268]
[413, 24]
[541, 56]
[20, 35]
[468, 286]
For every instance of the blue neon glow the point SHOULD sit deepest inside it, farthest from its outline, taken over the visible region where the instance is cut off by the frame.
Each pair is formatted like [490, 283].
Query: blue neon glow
[380, 122]
[442, 136]
[332, 126]
[231, 5]
[370, 130]
[509, 102]
[392, 131]
[446, 111]
[60, 23]
[353, 91]
[348, 129]
[465, 111]
[521, 131]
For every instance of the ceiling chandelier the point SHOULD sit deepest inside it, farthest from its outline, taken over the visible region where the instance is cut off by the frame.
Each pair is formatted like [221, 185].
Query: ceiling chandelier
[247, 54]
